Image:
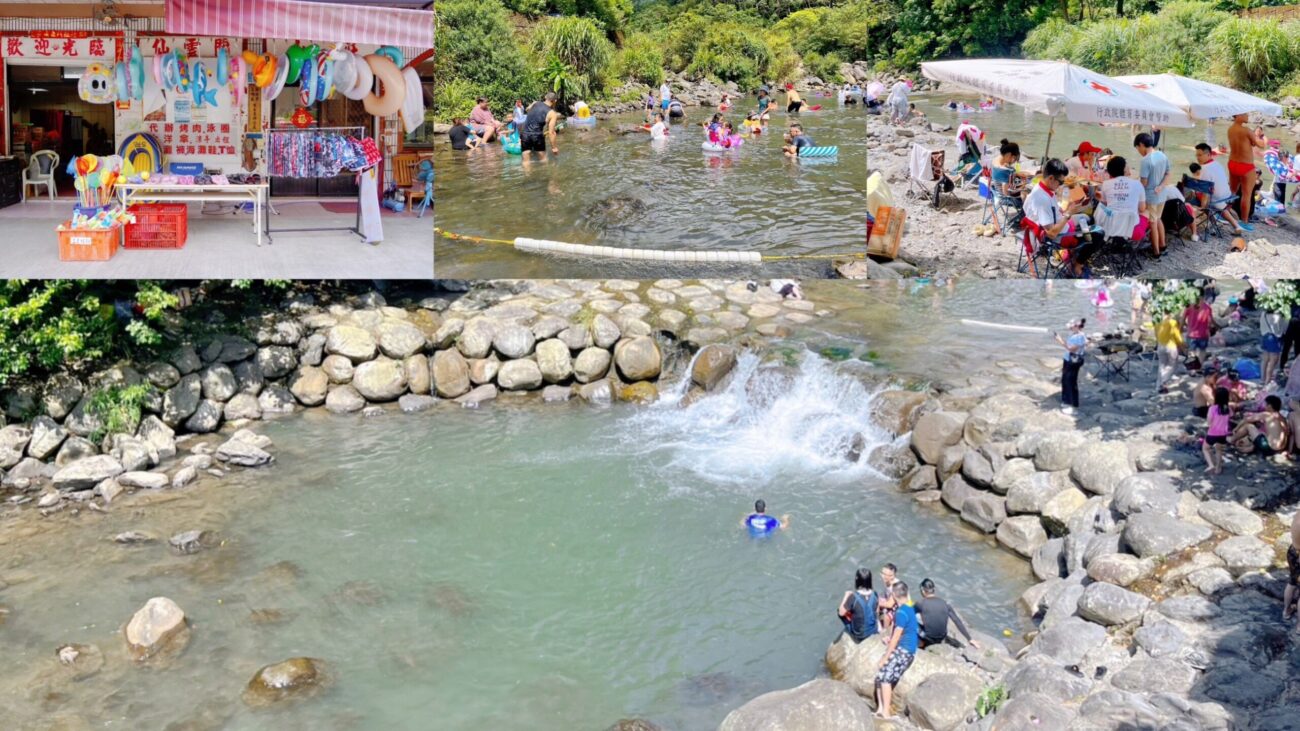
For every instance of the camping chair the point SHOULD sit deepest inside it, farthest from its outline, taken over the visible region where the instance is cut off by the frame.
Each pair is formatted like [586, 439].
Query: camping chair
[1041, 256]
[404, 177]
[1119, 251]
[925, 174]
[1207, 218]
[40, 171]
[1000, 206]
[1112, 356]
[969, 159]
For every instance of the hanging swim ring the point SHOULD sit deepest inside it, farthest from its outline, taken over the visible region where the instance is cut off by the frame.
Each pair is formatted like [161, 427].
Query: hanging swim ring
[158, 70]
[223, 67]
[184, 64]
[264, 68]
[324, 78]
[307, 90]
[298, 55]
[394, 87]
[120, 81]
[237, 79]
[365, 79]
[135, 65]
[142, 150]
[171, 72]
[281, 78]
[392, 53]
[345, 70]
[96, 84]
[199, 89]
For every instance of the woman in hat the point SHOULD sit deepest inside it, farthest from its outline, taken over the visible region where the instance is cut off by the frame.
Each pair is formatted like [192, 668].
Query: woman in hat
[1084, 162]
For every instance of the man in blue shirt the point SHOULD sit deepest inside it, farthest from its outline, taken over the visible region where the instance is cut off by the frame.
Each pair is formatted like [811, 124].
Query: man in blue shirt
[797, 140]
[1154, 174]
[900, 653]
[760, 523]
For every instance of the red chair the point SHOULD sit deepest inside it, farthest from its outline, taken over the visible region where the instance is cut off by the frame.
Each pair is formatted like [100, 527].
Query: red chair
[1041, 256]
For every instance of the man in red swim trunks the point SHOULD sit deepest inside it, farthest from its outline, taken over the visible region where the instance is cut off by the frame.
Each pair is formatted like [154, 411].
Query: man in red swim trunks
[1242, 178]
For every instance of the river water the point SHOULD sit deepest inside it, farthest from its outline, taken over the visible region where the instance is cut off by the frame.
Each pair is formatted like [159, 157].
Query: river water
[528, 566]
[626, 191]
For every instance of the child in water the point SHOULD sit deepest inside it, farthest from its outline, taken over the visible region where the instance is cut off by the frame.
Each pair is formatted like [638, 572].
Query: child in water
[730, 139]
[714, 129]
[1101, 298]
[754, 124]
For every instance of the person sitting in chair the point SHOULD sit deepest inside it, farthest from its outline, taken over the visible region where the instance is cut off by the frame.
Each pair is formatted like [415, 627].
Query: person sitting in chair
[1041, 208]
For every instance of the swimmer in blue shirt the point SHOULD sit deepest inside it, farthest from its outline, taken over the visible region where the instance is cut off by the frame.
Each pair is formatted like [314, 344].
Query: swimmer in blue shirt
[760, 523]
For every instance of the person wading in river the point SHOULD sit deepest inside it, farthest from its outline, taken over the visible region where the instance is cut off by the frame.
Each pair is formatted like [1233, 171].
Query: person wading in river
[760, 523]
[539, 126]
[898, 655]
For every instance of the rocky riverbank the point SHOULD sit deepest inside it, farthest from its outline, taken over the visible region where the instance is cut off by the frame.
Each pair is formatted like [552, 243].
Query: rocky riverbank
[944, 241]
[1160, 597]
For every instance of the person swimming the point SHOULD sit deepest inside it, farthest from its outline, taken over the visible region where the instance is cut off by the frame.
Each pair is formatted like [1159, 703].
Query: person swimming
[760, 523]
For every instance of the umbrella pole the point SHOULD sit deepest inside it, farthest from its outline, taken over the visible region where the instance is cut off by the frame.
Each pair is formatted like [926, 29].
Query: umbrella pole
[1050, 129]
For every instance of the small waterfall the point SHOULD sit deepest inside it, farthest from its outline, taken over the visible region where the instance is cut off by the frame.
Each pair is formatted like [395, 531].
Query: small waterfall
[771, 422]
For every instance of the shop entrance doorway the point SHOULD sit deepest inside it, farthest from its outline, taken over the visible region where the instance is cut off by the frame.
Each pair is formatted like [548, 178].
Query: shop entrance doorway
[47, 113]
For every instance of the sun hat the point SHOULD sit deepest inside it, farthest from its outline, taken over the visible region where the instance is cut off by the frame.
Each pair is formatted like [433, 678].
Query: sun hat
[1086, 147]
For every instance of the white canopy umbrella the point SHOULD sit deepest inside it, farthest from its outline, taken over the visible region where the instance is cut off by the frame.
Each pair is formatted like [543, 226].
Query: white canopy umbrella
[1059, 89]
[1201, 99]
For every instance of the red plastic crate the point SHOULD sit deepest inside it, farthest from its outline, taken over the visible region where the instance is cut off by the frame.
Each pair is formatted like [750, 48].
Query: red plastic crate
[157, 226]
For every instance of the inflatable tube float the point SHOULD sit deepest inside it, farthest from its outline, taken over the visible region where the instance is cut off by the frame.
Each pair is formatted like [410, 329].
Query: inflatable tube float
[394, 87]
[158, 70]
[171, 72]
[279, 79]
[223, 67]
[184, 64]
[298, 55]
[587, 122]
[512, 145]
[238, 78]
[308, 74]
[120, 81]
[716, 147]
[345, 72]
[819, 152]
[264, 68]
[135, 65]
[142, 150]
[324, 78]
[365, 79]
[392, 53]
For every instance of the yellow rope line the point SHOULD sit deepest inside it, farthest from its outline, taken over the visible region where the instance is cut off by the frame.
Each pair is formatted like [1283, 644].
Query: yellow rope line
[766, 257]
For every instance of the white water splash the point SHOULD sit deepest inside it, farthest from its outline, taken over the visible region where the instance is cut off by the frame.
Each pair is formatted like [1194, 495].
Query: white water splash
[771, 423]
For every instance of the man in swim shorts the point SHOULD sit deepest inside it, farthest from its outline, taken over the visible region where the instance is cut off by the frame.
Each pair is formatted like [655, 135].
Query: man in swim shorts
[793, 102]
[539, 126]
[898, 655]
[1265, 433]
[1242, 177]
[796, 140]
[760, 523]
[1203, 396]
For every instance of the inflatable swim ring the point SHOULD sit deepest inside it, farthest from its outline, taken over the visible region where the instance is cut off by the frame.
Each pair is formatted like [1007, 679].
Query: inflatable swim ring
[281, 77]
[512, 145]
[345, 72]
[142, 150]
[158, 70]
[223, 67]
[365, 81]
[324, 77]
[120, 81]
[135, 65]
[819, 152]
[171, 72]
[394, 87]
[96, 84]
[183, 64]
[308, 76]
[392, 53]
[582, 121]
[238, 79]
[298, 55]
[713, 147]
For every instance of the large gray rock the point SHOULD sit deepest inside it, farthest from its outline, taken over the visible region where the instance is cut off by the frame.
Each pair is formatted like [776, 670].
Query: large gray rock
[1244, 553]
[1229, 516]
[186, 360]
[1098, 467]
[1120, 569]
[1156, 675]
[519, 375]
[548, 326]
[250, 378]
[46, 438]
[818, 705]
[1012, 472]
[287, 332]
[577, 337]
[591, 365]
[1241, 685]
[242, 406]
[513, 341]
[134, 454]
[337, 368]
[160, 437]
[1069, 640]
[1023, 534]
[597, 392]
[1154, 534]
[398, 339]
[87, 472]
[309, 385]
[475, 340]
[311, 350]
[554, 360]
[218, 382]
[922, 477]
[143, 480]
[1031, 494]
[714, 362]
[943, 701]
[1041, 675]
[478, 396]
[1146, 492]
[74, 448]
[1109, 605]
[934, 432]
[162, 375]
[1056, 451]
[446, 334]
[82, 422]
[413, 403]
[893, 459]
[977, 469]
[1048, 561]
[856, 664]
[241, 450]
[344, 399]
[1033, 712]
[450, 373]
[984, 510]
[381, 379]
[276, 400]
[276, 361]
[285, 682]
[354, 343]
[418, 379]
[638, 359]
[206, 418]
[233, 349]
[62, 392]
[1060, 508]
[604, 332]
[956, 491]
[484, 370]
[181, 399]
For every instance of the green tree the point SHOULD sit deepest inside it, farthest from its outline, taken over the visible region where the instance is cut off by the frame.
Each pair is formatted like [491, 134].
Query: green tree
[576, 57]
[477, 48]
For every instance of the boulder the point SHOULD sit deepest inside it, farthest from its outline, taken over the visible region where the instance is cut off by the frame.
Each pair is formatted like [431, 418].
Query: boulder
[183, 477]
[591, 365]
[1023, 534]
[295, 679]
[233, 349]
[1011, 473]
[250, 379]
[344, 399]
[276, 361]
[157, 627]
[414, 403]
[133, 453]
[450, 373]
[557, 394]
[1032, 494]
[896, 411]
[475, 340]
[1245, 553]
[398, 339]
[814, 706]
[62, 393]
[287, 332]
[922, 477]
[239, 451]
[604, 332]
[942, 701]
[186, 360]
[1099, 467]
[984, 510]
[1229, 516]
[160, 437]
[1041, 675]
[85, 473]
[162, 375]
[46, 438]
[548, 326]
[519, 375]
[1120, 569]
[1108, 604]
[1145, 492]
[597, 391]
[354, 343]
[638, 359]
[935, 432]
[337, 368]
[977, 469]
[418, 380]
[554, 361]
[479, 395]
[856, 664]
[276, 400]
[1048, 561]
[484, 370]
[577, 337]
[180, 401]
[1056, 451]
[955, 492]
[1155, 534]
[894, 460]
[218, 382]
[1060, 508]
[712, 364]
[143, 480]
[447, 333]
[641, 392]
[73, 449]
[242, 406]
[206, 418]
[309, 385]
[513, 341]
[1032, 712]
[1069, 640]
[381, 379]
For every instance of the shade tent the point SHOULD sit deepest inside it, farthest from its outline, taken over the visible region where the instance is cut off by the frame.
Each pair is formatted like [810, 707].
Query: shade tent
[1058, 89]
[295, 19]
[1201, 99]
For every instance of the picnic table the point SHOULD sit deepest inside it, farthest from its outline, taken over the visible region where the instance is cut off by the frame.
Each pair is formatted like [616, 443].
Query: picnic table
[1113, 355]
[255, 193]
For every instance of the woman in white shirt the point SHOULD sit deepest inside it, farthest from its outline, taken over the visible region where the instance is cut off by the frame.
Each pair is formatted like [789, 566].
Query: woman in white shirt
[1124, 200]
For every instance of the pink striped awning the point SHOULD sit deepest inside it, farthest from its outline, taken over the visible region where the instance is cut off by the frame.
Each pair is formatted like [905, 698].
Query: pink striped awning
[298, 20]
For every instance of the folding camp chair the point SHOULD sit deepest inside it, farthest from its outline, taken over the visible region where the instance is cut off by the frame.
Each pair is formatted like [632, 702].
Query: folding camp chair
[1208, 218]
[1041, 256]
[970, 156]
[1004, 210]
[925, 174]
[1113, 356]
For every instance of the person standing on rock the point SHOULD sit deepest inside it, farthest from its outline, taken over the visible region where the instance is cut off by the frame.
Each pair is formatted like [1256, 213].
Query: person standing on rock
[858, 608]
[1218, 427]
[1272, 326]
[898, 655]
[1198, 318]
[1074, 345]
[934, 614]
[1169, 341]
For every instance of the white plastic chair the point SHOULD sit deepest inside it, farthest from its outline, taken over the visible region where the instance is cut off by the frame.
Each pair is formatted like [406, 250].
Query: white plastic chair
[33, 175]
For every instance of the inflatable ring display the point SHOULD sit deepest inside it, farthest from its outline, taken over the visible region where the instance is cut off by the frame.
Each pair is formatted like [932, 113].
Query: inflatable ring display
[394, 87]
[135, 65]
[324, 78]
[365, 82]
[96, 84]
[199, 89]
[298, 55]
[392, 53]
[281, 78]
[223, 67]
[184, 64]
[307, 89]
[264, 70]
[120, 81]
[238, 76]
[345, 73]
[158, 70]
